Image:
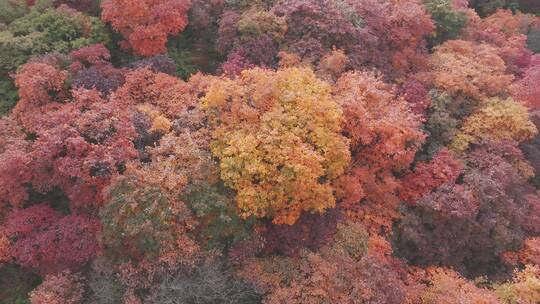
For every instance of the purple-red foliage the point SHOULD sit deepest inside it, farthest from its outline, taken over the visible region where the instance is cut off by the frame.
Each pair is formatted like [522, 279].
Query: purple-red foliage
[49, 242]
[531, 150]
[416, 94]
[81, 146]
[257, 52]
[92, 70]
[468, 226]
[443, 168]
[105, 79]
[92, 54]
[158, 64]
[526, 89]
[315, 26]
[311, 231]
[227, 33]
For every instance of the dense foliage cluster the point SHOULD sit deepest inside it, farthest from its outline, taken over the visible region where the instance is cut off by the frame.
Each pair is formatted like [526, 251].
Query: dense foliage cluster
[269, 151]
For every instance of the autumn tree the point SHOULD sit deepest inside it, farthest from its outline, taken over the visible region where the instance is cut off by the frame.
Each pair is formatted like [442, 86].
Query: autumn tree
[91, 69]
[447, 286]
[40, 83]
[146, 24]
[449, 20]
[165, 234]
[47, 241]
[528, 254]
[400, 36]
[524, 89]
[250, 39]
[147, 232]
[384, 136]
[443, 168]
[497, 121]
[40, 31]
[15, 164]
[312, 29]
[524, 287]
[417, 95]
[467, 69]
[277, 135]
[85, 151]
[344, 271]
[492, 211]
[64, 287]
[330, 23]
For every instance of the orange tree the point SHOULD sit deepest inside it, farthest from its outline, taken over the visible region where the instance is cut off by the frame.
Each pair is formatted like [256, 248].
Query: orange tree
[277, 136]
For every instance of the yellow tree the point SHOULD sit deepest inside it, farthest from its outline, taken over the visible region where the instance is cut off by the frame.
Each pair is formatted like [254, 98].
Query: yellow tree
[498, 120]
[278, 138]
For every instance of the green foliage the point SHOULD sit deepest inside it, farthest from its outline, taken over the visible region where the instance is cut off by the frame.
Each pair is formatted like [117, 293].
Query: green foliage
[487, 7]
[123, 219]
[42, 30]
[145, 223]
[220, 226]
[449, 21]
[184, 51]
[15, 283]
[444, 118]
[255, 24]
[533, 40]
[57, 30]
[49, 31]
[11, 10]
[183, 59]
[8, 96]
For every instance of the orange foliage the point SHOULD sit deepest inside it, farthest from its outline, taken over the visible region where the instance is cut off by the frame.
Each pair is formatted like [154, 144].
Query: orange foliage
[146, 23]
[38, 83]
[426, 177]
[342, 273]
[4, 247]
[448, 287]
[169, 94]
[384, 136]
[288, 60]
[467, 69]
[498, 121]
[528, 254]
[333, 64]
[277, 135]
[63, 288]
[524, 288]
[507, 32]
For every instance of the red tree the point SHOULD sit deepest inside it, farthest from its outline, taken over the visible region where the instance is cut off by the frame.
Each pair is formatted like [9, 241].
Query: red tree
[384, 136]
[441, 169]
[146, 23]
[47, 241]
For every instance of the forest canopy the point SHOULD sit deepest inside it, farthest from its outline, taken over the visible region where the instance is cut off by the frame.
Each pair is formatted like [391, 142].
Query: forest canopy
[269, 151]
